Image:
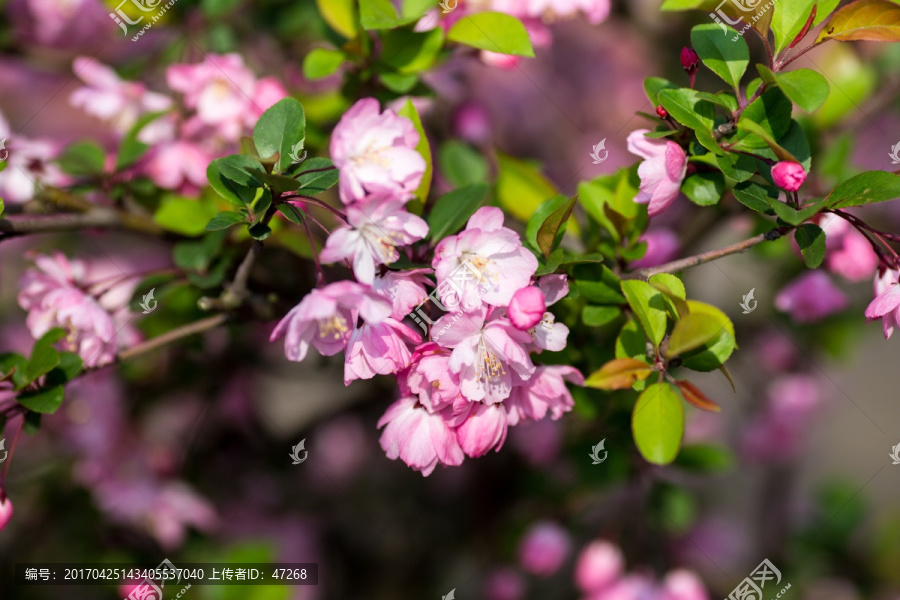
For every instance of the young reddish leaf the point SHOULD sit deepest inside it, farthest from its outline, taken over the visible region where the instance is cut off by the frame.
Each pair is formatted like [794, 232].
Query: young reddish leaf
[547, 233]
[619, 374]
[872, 20]
[695, 397]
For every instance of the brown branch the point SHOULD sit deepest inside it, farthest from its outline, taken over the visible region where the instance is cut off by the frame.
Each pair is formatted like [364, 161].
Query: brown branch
[172, 336]
[705, 257]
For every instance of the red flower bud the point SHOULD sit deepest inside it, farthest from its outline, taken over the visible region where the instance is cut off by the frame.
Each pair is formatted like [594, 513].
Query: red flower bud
[689, 59]
[788, 175]
[662, 112]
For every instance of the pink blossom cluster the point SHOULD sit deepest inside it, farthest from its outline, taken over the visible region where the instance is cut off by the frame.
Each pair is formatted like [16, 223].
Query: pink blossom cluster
[468, 375]
[89, 302]
[222, 100]
[29, 162]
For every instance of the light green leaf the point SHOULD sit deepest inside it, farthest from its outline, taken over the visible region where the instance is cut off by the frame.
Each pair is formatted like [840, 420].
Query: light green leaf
[649, 306]
[654, 85]
[691, 332]
[704, 189]
[423, 148]
[379, 14]
[521, 188]
[807, 88]
[618, 374]
[322, 62]
[867, 188]
[658, 423]
[714, 354]
[187, 216]
[493, 31]
[726, 58]
[788, 20]
[685, 107]
[279, 129]
[340, 15]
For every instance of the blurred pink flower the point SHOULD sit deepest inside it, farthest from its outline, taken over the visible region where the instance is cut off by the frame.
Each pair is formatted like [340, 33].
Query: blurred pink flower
[504, 584]
[886, 304]
[378, 349]
[485, 263]
[630, 587]
[683, 585]
[418, 438]
[488, 354]
[849, 252]
[119, 102]
[526, 308]
[778, 433]
[6, 512]
[662, 246]
[471, 122]
[56, 294]
[326, 317]
[661, 173]
[29, 162]
[178, 165]
[789, 175]
[811, 297]
[599, 565]
[341, 445]
[376, 153]
[544, 548]
[539, 442]
[775, 351]
[483, 429]
[377, 227]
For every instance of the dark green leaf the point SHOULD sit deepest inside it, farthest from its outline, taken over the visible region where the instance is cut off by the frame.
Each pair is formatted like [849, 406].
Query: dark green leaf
[811, 240]
[279, 129]
[554, 224]
[461, 164]
[45, 401]
[82, 158]
[772, 112]
[726, 58]
[704, 189]
[807, 88]
[867, 188]
[597, 316]
[315, 183]
[755, 196]
[224, 220]
[654, 85]
[291, 213]
[228, 176]
[408, 51]
[44, 356]
[685, 107]
[453, 209]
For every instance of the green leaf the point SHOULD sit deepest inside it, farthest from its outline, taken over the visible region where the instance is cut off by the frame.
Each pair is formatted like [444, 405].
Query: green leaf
[187, 216]
[313, 183]
[378, 14]
[619, 374]
[453, 209]
[45, 401]
[44, 356]
[757, 130]
[714, 354]
[198, 255]
[279, 184]
[423, 148]
[322, 62]
[755, 196]
[131, 148]
[547, 233]
[605, 289]
[805, 87]
[631, 343]
[726, 58]
[229, 178]
[792, 216]
[691, 332]
[658, 423]
[673, 289]
[521, 188]
[398, 82]
[654, 85]
[493, 31]
[224, 220]
[872, 20]
[260, 231]
[461, 164]
[291, 213]
[612, 192]
[407, 51]
[788, 19]
[82, 158]
[772, 112]
[867, 188]
[704, 189]
[70, 365]
[705, 458]
[340, 15]
[739, 167]
[811, 240]
[16, 364]
[279, 129]
[649, 307]
[598, 316]
[726, 101]
[685, 107]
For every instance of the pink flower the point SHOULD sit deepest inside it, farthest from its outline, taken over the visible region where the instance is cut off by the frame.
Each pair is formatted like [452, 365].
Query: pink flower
[548, 334]
[377, 228]
[661, 173]
[484, 263]
[326, 317]
[430, 377]
[662, 246]
[683, 585]
[56, 294]
[886, 304]
[544, 549]
[854, 259]
[484, 428]
[788, 175]
[378, 349]
[811, 297]
[526, 309]
[29, 162]
[472, 123]
[418, 438]
[599, 564]
[376, 153]
[6, 512]
[489, 354]
[405, 289]
[504, 584]
[545, 392]
[266, 93]
[178, 165]
[118, 102]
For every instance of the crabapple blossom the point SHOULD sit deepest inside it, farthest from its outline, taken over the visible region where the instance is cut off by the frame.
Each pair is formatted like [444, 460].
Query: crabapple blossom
[526, 308]
[376, 153]
[545, 392]
[849, 253]
[30, 162]
[599, 564]
[886, 304]
[405, 289]
[484, 428]
[491, 259]
[378, 349]
[789, 175]
[325, 318]
[661, 173]
[811, 297]
[504, 584]
[682, 584]
[544, 548]
[417, 437]
[377, 227]
[178, 165]
[430, 378]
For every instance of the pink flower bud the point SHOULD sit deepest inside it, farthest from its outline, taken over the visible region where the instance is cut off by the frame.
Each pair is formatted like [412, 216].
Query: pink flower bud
[6, 512]
[662, 112]
[689, 59]
[788, 175]
[527, 308]
[599, 564]
[544, 549]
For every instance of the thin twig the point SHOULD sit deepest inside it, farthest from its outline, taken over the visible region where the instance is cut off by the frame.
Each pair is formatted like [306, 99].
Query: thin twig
[172, 336]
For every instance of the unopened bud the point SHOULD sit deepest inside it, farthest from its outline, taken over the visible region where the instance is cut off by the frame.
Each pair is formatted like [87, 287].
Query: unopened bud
[662, 112]
[788, 175]
[689, 59]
